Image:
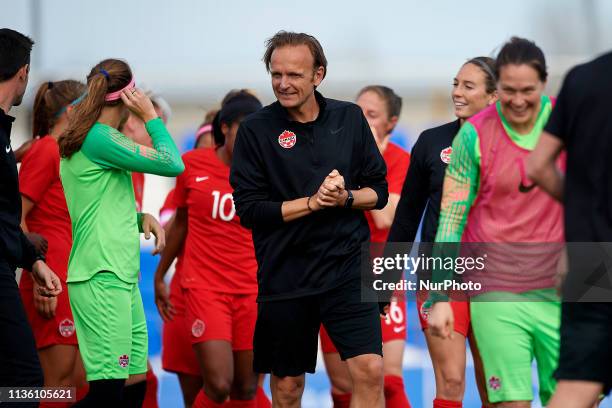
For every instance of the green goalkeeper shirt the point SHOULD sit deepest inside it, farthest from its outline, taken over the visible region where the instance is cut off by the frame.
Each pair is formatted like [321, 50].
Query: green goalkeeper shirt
[99, 193]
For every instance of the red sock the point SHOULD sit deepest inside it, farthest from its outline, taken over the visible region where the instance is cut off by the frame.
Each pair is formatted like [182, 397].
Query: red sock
[241, 404]
[341, 400]
[202, 401]
[150, 400]
[262, 399]
[81, 392]
[441, 403]
[395, 393]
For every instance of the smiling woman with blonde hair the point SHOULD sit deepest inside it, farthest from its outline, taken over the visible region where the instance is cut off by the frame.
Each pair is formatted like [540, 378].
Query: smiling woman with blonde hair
[473, 90]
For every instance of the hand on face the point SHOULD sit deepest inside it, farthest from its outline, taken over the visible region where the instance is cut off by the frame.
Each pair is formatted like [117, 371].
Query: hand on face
[139, 103]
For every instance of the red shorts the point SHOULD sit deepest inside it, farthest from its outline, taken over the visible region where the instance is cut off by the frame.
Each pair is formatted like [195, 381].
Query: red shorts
[56, 330]
[393, 327]
[221, 316]
[394, 323]
[461, 312]
[177, 295]
[177, 354]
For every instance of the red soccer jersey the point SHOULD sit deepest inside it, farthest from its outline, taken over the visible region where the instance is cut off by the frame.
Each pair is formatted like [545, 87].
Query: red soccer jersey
[219, 253]
[39, 181]
[397, 161]
[138, 180]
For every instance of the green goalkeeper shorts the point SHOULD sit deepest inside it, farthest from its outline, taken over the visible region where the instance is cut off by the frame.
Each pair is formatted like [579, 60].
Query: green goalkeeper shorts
[111, 327]
[510, 334]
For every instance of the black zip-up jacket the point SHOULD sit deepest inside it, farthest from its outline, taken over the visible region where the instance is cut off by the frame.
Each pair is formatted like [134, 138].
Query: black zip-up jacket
[320, 251]
[423, 185]
[15, 248]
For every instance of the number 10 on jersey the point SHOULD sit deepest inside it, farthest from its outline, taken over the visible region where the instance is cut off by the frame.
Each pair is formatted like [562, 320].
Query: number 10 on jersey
[219, 206]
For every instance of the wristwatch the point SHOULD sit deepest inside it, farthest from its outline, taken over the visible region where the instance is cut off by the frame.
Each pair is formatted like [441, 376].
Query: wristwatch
[40, 257]
[349, 200]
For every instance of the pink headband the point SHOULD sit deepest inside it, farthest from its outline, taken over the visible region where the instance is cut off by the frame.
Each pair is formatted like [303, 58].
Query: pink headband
[204, 129]
[113, 96]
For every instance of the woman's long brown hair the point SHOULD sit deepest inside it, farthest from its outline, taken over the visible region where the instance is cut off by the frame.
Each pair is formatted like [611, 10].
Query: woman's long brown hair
[51, 99]
[87, 112]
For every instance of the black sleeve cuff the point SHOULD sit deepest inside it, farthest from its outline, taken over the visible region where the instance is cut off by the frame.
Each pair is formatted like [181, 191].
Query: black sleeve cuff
[28, 253]
[269, 213]
[383, 196]
[260, 214]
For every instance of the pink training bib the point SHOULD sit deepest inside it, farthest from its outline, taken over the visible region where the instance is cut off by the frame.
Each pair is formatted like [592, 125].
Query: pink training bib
[518, 223]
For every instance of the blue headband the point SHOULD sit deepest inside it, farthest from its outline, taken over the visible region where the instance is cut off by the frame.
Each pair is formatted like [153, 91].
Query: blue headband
[73, 103]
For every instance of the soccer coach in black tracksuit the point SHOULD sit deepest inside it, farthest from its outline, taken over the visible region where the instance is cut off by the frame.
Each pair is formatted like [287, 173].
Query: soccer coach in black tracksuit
[304, 169]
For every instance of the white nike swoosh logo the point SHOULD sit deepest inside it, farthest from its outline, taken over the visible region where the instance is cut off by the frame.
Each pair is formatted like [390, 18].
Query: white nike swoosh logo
[333, 132]
[8, 148]
[198, 179]
[399, 329]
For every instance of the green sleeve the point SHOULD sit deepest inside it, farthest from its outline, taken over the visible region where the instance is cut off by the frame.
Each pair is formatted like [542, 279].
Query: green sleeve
[108, 147]
[139, 217]
[461, 183]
